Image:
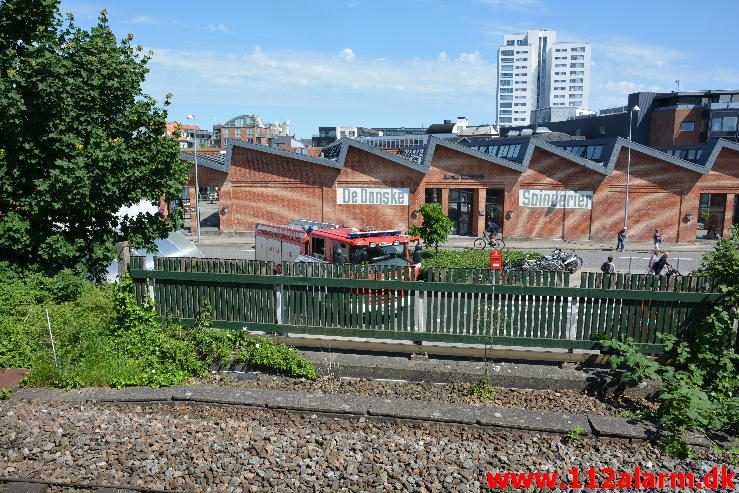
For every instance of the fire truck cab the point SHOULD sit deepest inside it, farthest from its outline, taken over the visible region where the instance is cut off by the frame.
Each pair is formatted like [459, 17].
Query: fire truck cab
[333, 244]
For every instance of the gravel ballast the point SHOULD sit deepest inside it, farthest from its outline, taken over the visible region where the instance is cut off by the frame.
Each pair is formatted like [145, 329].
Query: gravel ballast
[563, 400]
[222, 448]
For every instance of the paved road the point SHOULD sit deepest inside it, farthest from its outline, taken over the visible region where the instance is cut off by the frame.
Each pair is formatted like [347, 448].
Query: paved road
[684, 261]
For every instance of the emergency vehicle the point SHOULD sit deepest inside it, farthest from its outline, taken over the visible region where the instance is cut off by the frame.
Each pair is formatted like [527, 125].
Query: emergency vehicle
[332, 243]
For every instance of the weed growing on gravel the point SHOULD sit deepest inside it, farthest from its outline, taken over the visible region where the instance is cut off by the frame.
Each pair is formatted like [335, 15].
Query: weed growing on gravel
[483, 388]
[575, 434]
[5, 393]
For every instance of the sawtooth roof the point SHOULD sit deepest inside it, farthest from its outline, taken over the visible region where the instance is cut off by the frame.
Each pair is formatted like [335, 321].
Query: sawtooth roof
[603, 161]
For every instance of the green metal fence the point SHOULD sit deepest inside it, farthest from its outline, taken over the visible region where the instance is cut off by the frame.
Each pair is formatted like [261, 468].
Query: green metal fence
[465, 306]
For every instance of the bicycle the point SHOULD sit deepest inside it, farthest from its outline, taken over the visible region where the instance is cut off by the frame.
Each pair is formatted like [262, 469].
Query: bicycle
[485, 241]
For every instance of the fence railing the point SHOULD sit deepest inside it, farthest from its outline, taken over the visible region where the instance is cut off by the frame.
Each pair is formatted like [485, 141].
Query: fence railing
[459, 307]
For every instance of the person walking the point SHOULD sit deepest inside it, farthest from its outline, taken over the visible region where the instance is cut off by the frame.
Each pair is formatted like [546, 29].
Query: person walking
[660, 264]
[621, 239]
[653, 260]
[608, 266]
[657, 239]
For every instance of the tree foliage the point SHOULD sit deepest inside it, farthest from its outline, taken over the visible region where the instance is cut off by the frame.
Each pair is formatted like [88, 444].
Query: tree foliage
[435, 227]
[78, 140]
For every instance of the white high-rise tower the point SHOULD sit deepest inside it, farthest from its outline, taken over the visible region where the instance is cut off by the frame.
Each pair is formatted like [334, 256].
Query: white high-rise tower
[535, 71]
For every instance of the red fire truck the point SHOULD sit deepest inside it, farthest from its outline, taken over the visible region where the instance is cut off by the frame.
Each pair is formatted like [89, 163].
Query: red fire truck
[332, 243]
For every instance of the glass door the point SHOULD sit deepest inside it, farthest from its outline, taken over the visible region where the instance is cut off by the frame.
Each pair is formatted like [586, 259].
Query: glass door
[711, 211]
[494, 206]
[460, 211]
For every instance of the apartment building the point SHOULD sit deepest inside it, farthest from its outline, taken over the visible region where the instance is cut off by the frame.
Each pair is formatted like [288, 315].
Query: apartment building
[535, 71]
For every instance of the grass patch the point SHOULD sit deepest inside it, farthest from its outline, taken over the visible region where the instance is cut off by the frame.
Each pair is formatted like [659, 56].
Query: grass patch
[470, 258]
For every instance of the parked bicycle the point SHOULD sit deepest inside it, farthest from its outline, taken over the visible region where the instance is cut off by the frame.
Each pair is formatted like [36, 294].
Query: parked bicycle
[491, 241]
[570, 261]
[671, 271]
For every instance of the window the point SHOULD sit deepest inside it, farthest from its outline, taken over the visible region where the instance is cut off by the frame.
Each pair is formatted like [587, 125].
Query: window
[506, 68]
[576, 88]
[525, 59]
[510, 42]
[519, 104]
[577, 65]
[433, 195]
[576, 81]
[560, 65]
[577, 57]
[521, 52]
[506, 89]
[577, 72]
[725, 124]
[579, 49]
[520, 97]
[506, 82]
[506, 60]
[505, 119]
[594, 152]
[505, 112]
[506, 105]
[506, 97]
[507, 75]
[506, 53]
[575, 96]
[687, 126]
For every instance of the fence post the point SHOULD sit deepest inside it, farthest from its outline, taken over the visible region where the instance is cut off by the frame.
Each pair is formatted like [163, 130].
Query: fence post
[419, 315]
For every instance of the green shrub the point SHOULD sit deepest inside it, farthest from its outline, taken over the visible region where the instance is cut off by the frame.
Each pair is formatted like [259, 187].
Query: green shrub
[471, 258]
[265, 354]
[102, 337]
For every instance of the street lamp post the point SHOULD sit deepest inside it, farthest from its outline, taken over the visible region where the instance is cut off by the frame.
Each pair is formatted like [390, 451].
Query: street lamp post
[197, 185]
[628, 166]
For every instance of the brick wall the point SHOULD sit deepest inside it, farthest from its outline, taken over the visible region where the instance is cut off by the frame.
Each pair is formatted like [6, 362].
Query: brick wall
[268, 188]
[664, 127]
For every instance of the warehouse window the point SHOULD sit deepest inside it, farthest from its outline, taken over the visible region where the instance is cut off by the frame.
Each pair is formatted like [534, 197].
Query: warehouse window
[433, 195]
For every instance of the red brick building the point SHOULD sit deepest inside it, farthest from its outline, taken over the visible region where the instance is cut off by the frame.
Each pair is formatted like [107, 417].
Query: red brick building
[564, 189]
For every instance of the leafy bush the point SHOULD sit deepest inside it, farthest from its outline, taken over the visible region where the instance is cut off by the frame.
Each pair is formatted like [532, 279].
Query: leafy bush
[471, 259]
[265, 354]
[103, 337]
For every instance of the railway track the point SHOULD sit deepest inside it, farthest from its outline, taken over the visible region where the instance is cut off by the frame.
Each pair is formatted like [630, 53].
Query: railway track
[31, 485]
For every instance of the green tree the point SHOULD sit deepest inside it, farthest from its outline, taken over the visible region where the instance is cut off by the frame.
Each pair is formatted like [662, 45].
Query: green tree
[78, 140]
[435, 227]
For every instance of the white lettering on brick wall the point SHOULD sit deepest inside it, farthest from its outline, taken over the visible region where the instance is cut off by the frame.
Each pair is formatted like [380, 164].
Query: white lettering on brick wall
[555, 199]
[372, 196]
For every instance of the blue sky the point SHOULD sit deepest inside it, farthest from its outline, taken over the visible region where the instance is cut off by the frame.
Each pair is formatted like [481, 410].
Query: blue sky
[404, 63]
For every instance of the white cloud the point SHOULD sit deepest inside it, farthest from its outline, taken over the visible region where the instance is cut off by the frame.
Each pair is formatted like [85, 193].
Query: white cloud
[443, 57]
[347, 55]
[471, 58]
[143, 20]
[531, 6]
[218, 28]
[292, 78]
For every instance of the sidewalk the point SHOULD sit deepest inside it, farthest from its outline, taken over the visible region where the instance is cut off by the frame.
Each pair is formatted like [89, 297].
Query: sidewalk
[462, 242]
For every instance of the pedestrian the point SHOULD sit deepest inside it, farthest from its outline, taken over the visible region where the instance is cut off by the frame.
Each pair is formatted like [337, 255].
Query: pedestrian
[660, 264]
[657, 239]
[608, 266]
[621, 239]
[492, 228]
[417, 254]
[653, 260]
